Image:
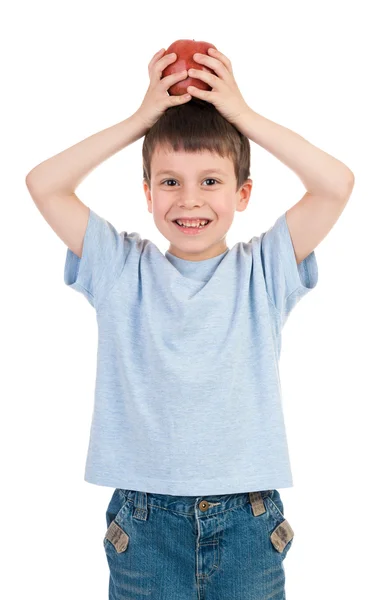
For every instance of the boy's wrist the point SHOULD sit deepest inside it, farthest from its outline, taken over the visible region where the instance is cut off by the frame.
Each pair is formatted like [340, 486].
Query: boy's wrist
[139, 118]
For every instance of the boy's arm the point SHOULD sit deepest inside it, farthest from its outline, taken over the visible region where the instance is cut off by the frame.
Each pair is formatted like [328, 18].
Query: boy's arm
[65, 171]
[328, 181]
[52, 183]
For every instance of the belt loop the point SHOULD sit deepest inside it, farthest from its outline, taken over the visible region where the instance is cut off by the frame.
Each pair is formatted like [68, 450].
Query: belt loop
[257, 502]
[140, 505]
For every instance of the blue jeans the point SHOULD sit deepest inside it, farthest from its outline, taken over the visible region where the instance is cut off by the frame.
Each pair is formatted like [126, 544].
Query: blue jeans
[226, 547]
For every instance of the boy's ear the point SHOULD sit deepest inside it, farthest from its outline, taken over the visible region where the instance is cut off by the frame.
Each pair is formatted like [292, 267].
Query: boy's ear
[148, 196]
[244, 195]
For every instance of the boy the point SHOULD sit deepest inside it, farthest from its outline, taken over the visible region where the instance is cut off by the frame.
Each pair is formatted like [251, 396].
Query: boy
[188, 425]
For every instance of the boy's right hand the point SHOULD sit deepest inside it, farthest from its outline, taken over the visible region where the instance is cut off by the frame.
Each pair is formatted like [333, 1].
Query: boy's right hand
[157, 99]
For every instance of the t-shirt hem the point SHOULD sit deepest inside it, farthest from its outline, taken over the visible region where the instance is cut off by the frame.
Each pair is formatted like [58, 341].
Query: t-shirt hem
[158, 486]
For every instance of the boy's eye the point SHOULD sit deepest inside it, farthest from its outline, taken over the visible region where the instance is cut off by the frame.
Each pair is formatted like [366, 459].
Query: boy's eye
[208, 179]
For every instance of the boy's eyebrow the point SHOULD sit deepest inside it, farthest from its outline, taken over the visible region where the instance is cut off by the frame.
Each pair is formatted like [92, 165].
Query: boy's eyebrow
[171, 172]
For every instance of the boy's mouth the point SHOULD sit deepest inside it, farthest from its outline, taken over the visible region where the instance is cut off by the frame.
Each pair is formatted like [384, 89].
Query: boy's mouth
[191, 229]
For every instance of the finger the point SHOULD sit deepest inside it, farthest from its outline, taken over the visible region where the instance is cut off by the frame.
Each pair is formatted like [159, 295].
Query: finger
[170, 79]
[210, 79]
[203, 94]
[212, 63]
[161, 64]
[175, 100]
[216, 54]
[156, 56]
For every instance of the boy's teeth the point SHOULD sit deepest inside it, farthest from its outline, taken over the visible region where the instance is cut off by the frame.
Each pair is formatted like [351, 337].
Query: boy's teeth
[192, 223]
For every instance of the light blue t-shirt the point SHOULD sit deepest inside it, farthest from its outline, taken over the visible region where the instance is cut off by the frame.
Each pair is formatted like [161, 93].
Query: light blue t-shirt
[187, 394]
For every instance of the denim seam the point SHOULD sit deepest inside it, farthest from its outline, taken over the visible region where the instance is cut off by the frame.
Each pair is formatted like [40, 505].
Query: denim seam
[276, 508]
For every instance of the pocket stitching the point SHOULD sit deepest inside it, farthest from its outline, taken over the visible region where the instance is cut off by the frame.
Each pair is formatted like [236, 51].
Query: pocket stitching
[275, 508]
[117, 521]
[282, 533]
[280, 518]
[117, 537]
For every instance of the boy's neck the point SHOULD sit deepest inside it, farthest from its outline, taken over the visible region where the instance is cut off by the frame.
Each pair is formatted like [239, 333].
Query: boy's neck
[210, 252]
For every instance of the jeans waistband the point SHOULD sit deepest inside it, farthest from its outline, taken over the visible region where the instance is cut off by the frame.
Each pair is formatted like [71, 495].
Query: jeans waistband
[194, 504]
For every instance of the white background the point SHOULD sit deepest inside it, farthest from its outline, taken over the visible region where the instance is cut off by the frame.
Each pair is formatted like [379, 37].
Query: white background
[71, 69]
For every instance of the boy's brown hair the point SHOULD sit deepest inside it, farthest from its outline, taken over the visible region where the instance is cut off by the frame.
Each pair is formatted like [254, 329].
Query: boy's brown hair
[194, 126]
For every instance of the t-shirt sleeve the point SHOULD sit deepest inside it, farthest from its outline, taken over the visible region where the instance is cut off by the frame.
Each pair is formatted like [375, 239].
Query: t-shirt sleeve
[103, 257]
[286, 281]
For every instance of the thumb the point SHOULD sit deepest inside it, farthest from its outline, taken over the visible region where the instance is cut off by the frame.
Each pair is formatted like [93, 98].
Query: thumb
[175, 100]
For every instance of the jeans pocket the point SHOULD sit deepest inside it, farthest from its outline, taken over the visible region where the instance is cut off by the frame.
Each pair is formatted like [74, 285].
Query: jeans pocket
[115, 522]
[280, 532]
[282, 537]
[117, 537]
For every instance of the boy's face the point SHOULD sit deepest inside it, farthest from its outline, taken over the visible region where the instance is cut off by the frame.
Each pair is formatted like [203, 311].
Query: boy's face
[194, 185]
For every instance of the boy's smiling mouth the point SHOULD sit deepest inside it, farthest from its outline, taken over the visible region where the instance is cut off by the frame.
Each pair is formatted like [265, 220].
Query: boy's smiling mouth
[192, 229]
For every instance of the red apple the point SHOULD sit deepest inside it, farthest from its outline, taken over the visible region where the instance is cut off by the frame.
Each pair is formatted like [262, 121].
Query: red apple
[185, 49]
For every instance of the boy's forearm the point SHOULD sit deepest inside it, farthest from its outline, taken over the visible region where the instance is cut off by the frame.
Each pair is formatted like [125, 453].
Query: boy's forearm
[320, 172]
[66, 170]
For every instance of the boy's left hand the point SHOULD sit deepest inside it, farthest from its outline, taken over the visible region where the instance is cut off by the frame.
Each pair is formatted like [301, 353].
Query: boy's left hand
[225, 95]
